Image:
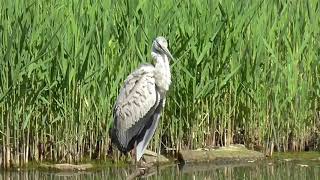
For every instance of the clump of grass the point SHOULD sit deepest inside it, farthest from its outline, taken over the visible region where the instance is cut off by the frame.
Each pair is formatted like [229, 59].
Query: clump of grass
[246, 72]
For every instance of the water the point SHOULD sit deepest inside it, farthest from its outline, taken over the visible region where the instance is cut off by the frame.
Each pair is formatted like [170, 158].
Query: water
[266, 169]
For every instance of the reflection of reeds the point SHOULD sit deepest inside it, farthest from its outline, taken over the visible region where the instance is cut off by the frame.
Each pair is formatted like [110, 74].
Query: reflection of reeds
[245, 72]
[109, 173]
[257, 170]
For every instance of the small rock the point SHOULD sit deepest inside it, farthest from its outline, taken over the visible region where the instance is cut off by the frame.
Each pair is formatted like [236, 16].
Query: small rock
[152, 157]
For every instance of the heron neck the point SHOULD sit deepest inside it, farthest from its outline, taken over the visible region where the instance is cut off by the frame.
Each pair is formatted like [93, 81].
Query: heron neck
[162, 72]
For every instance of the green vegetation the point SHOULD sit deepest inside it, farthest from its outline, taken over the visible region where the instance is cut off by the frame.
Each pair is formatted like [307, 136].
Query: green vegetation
[245, 72]
[298, 156]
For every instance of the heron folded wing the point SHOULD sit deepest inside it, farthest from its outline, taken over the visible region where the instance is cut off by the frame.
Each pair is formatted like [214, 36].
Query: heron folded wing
[149, 131]
[136, 103]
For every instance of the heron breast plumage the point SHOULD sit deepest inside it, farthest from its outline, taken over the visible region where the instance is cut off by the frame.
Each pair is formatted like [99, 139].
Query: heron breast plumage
[162, 75]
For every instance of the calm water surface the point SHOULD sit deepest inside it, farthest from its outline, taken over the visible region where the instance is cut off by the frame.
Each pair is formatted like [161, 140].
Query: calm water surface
[284, 168]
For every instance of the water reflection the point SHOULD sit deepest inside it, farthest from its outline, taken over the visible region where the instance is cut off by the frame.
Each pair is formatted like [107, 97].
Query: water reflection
[279, 169]
[258, 170]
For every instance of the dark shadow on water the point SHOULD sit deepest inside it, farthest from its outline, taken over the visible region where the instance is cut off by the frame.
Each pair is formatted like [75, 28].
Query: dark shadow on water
[266, 169]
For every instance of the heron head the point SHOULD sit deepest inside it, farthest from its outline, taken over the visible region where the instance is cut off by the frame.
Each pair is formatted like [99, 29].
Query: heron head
[160, 47]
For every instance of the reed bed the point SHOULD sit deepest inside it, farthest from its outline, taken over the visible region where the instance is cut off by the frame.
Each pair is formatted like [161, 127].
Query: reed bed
[245, 72]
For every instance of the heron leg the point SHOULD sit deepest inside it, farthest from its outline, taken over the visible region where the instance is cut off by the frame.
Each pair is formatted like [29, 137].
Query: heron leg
[134, 154]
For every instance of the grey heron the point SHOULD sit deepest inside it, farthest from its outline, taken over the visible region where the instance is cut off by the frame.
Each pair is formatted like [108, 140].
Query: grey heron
[137, 109]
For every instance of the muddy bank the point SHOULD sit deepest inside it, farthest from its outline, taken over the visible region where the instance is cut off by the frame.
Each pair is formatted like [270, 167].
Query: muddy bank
[232, 153]
[149, 158]
[68, 167]
[223, 155]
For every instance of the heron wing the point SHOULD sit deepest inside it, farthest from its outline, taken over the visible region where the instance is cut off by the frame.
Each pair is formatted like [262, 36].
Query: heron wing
[135, 105]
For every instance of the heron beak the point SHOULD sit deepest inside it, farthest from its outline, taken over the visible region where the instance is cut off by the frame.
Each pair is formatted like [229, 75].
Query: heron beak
[167, 52]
